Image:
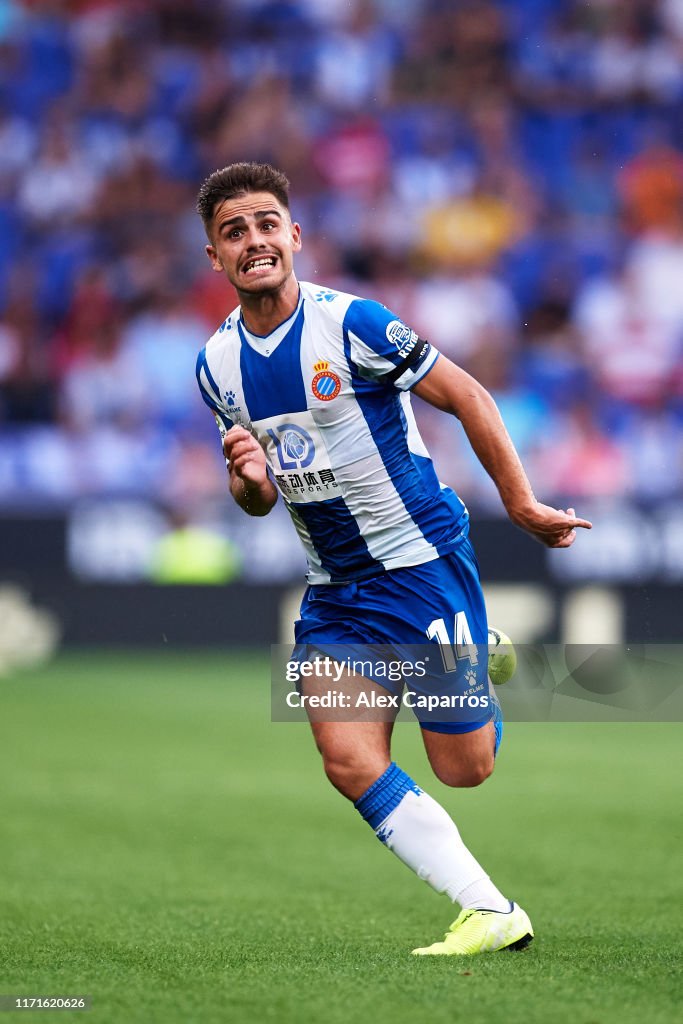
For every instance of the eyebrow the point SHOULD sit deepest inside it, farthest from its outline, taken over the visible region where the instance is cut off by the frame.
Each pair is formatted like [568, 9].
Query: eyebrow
[240, 219]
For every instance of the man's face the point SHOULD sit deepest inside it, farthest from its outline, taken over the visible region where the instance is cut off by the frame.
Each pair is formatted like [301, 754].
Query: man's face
[253, 242]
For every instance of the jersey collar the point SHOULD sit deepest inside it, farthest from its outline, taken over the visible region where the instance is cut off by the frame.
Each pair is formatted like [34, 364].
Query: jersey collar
[265, 344]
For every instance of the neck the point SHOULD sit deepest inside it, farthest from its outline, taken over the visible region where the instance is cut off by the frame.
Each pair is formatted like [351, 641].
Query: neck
[263, 313]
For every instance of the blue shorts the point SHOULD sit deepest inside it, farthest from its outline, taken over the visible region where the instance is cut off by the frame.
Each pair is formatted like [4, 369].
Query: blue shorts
[411, 609]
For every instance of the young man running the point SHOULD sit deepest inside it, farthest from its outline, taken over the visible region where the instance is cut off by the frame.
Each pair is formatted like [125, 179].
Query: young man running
[311, 388]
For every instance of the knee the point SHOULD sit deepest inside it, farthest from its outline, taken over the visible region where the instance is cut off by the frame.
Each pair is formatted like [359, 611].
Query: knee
[340, 771]
[352, 775]
[467, 775]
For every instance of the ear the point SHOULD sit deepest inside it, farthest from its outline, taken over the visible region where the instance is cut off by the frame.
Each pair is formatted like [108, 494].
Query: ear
[213, 259]
[296, 237]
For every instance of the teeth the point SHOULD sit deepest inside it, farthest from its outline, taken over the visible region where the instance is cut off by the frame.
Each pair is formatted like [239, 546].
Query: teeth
[267, 261]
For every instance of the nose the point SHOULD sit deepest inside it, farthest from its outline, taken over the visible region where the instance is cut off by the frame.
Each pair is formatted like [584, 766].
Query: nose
[254, 240]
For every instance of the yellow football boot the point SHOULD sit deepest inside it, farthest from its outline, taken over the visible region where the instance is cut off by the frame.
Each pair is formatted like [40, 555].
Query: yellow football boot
[483, 931]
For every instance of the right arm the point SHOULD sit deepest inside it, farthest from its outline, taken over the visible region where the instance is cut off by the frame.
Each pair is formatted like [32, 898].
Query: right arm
[250, 485]
[451, 389]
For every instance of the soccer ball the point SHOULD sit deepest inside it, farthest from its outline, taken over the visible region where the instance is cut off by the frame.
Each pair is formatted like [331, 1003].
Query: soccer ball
[502, 657]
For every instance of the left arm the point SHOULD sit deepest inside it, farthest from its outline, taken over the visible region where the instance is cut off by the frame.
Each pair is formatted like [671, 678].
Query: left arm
[451, 389]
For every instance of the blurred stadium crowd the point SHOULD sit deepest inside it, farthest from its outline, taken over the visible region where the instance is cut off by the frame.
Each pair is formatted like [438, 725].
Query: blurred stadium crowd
[507, 176]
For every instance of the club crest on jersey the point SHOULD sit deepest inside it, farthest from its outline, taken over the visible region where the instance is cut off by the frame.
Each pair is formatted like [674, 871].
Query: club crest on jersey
[400, 335]
[326, 384]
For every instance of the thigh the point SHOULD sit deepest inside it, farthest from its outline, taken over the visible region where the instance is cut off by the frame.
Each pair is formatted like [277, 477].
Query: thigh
[463, 758]
[355, 754]
[450, 695]
[355, 744]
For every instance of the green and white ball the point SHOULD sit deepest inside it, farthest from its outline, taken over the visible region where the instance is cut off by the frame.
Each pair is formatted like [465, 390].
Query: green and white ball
[502, 657]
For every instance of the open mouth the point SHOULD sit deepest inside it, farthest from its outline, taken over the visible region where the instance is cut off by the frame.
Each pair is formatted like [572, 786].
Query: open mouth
[259, 263]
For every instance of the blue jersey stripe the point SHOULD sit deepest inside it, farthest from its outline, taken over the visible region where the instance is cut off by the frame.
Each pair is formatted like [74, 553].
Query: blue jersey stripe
[201, 365]
[273, 385]
[210, 401]
[335, 536]
[425, 467]
[420, 492]
[370, 321]
[209, 375]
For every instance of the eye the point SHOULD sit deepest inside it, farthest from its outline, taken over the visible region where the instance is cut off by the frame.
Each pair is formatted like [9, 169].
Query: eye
[268, 225]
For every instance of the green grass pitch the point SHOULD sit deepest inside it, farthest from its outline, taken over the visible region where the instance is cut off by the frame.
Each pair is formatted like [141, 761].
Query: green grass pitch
[169, 851]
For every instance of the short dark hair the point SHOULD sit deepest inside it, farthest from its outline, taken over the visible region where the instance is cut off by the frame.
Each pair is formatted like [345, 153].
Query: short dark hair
[236, 180]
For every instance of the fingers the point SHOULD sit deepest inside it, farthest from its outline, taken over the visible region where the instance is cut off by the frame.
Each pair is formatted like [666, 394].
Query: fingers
[244, 454]
[556, 527]
[244, 446]
[239, 460]
[583, 523]
[237, 444]
[232, 437]
[565, 541]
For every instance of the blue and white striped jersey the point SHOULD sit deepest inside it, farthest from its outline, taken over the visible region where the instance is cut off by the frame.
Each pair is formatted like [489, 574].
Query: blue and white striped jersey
[326, 394]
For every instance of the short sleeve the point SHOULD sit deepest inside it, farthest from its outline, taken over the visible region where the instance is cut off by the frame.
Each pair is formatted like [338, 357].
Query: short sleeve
[210, 392]
[384, 348]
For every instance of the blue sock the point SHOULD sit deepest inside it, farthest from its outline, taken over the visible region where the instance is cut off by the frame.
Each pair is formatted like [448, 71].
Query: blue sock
[384, 796]
[424, 836]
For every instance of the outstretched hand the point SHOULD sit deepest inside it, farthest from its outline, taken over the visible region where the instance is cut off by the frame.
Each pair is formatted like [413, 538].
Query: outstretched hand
[551, 526]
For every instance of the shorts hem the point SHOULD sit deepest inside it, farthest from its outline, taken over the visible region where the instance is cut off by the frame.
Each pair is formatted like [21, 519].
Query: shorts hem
[453, 727]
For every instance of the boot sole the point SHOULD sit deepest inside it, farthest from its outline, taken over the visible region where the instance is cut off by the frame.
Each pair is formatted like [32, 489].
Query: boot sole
[522, 943]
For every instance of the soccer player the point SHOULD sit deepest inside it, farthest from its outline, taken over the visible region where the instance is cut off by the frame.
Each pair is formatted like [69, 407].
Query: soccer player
[310, 388]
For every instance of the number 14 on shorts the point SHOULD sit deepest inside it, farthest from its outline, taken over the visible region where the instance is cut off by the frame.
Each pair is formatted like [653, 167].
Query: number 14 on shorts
[460, 647]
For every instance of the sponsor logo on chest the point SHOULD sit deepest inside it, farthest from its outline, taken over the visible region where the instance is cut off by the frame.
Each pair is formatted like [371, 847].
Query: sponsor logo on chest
[298, 457]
